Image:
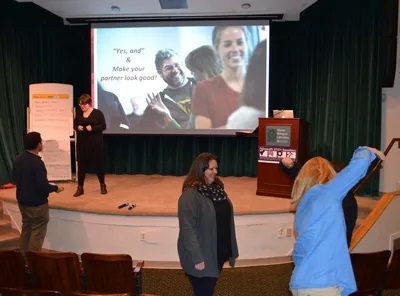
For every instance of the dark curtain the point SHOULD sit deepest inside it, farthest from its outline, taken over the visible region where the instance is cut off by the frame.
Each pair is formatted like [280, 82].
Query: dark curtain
[27, 55]
[325, 67]
[283, 61]
[337, 80]
[35, 47]
[173, 155]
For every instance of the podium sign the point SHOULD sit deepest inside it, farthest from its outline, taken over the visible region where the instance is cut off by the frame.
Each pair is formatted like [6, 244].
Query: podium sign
[279, 138]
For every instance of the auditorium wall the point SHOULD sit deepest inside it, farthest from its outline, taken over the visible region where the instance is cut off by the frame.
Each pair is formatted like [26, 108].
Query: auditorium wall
[390, 174]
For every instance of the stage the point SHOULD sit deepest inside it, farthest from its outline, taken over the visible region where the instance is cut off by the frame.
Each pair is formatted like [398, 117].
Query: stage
[93, 222]
[154, 195]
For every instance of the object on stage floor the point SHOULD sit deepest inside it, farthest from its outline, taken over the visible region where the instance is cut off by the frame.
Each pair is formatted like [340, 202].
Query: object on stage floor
[123, 205]
[131, 207]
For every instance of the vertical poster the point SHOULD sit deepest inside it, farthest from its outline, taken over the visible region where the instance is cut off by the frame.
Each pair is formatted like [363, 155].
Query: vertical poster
[51, 114]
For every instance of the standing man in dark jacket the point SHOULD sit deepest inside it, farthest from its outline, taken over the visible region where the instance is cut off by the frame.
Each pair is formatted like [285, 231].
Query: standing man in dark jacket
[30, 176]
[349, 204]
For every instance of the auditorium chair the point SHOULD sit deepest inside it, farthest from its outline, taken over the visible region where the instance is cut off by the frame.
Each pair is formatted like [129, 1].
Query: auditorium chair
[371, 292]
[90, 294]
[392, 281]
[13, 273]
[369, 271]
[111, 273]
[56, 271]
[27, 292]
[105, 294]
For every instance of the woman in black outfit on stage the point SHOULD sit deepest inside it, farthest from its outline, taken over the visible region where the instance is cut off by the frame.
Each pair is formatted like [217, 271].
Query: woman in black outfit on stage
[89, 125]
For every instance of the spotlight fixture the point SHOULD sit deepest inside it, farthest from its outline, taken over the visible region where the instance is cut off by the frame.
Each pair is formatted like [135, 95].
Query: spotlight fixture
[246, 5]
[115, 8]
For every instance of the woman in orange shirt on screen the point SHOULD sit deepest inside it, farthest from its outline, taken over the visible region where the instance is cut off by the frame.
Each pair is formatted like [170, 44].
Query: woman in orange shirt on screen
[215, 99]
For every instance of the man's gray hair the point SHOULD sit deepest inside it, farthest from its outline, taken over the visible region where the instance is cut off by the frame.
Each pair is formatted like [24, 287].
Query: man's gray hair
[162, 55]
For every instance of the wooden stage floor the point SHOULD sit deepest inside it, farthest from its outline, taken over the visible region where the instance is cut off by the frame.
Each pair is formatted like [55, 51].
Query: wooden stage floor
[154, 195]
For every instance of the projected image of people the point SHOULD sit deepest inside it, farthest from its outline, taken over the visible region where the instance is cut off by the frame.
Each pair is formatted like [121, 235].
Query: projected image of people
[251, 107]
[177, 78]
[204, 63]
[170, 108]
[216, 98]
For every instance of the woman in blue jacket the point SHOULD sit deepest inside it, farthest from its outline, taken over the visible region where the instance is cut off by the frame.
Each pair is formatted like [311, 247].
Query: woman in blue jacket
[321, 256]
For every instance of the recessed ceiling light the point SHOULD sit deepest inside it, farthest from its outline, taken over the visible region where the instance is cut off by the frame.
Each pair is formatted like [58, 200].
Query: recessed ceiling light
[115, 8]
[246, 5]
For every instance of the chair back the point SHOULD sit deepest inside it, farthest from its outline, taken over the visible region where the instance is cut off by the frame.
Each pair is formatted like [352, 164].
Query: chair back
[13, 273]
[108, 273]
[91, 294]
[27, 292]
[369, 269]
[393, 273]
[365, 293]
[58, 271]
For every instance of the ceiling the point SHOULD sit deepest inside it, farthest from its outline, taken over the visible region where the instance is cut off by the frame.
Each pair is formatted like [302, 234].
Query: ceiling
[84, 9]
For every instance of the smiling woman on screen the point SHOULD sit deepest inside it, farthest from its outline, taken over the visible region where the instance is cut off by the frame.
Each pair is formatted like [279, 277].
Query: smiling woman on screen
[215, 99]
[252, 97]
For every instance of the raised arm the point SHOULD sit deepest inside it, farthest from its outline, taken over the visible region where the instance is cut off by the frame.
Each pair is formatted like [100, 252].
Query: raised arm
[352, 173]
[188, 211]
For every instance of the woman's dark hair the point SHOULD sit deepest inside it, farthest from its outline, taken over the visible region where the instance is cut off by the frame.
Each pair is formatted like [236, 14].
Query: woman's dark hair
[254, 88]
[32, 140]
[85, 99]
[195, 176]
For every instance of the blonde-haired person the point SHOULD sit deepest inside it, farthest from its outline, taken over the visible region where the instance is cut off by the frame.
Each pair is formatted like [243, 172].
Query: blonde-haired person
[321, 257]
[349, 203]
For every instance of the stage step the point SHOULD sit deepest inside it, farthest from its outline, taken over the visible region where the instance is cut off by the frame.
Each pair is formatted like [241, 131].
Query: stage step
[9, 240]
[365, 206]
[5, 223]
[9, 237]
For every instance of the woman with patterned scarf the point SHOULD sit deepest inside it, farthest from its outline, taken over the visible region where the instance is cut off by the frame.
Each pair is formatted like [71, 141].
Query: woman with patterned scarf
[207, 236]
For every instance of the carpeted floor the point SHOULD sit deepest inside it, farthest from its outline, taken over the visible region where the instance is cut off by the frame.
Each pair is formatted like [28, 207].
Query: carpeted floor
[251, 281]
[262, 280]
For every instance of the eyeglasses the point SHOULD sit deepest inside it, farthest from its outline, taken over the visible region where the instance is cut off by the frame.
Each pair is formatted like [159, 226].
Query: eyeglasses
[169, 68]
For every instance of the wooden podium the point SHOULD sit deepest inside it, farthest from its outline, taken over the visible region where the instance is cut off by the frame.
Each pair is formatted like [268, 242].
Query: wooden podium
[279, 138]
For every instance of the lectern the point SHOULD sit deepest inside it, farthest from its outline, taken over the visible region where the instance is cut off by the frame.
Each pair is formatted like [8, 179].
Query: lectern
[279, 138]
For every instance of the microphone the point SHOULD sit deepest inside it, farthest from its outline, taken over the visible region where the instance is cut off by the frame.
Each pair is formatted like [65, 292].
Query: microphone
[131, 207]
[123, 205]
